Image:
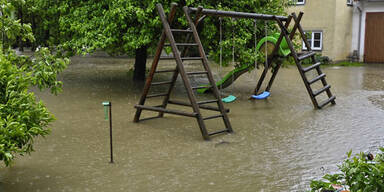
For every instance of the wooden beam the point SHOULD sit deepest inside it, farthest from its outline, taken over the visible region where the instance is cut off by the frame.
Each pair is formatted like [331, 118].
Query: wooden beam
[234, 14]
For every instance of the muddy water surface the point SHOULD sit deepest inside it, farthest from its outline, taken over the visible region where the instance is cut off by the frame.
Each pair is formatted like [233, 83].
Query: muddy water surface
[279, 144]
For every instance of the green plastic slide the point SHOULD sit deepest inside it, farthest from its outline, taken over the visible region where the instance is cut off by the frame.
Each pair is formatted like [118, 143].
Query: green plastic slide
[231, 76]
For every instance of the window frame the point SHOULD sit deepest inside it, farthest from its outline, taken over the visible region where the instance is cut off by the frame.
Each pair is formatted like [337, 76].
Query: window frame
[300, 3]
[313, 40]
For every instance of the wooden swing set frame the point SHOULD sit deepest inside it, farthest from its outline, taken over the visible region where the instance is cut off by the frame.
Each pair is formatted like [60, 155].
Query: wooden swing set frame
[180, 56]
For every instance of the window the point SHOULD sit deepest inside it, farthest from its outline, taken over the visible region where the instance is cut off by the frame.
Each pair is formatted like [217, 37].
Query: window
[349, 2]
[315, 40]
[296, 2]
[300, 2]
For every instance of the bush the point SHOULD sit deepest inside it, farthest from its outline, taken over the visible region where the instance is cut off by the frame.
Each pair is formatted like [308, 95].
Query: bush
[360, 173]
[22, 117]
[319, 58]
[323, 59]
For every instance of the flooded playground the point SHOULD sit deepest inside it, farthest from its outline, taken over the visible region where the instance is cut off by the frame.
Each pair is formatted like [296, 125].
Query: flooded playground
[279, 144]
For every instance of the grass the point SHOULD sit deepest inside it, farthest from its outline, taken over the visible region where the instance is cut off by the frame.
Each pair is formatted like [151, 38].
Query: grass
[341, 63]
[348, 64]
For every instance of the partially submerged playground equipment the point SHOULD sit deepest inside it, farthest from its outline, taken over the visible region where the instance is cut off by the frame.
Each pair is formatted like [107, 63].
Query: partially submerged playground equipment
[262, 45]
[191, 33]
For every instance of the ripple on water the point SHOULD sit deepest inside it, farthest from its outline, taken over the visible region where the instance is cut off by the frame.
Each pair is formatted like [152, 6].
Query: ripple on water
[278, 144]
[377, 100]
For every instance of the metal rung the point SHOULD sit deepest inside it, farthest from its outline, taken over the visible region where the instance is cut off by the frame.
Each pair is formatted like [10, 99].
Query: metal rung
[311, 67]
[167, 58]
[186, 44]
[218, 132]
[306, 55]
[206, 102]
[202, 87]
[183, 58]
[317, 78]
[165, 71]
[162, 83]
[197, 73]
[191, 58]
[158, 109]
[149, 118]
[322, 104]
[207, 107]
[182, 30]
[321, 90]
[157, 95]
[182, 44]
[212, 117]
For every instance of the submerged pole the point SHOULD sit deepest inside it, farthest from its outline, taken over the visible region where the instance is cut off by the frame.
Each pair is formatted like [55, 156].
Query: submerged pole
[108, 115]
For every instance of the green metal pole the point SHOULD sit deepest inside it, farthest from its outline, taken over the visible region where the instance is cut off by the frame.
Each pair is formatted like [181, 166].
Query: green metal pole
[108, 108]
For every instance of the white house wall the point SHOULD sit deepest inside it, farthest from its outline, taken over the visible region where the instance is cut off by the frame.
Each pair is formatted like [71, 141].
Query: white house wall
[333, 18]
[356, 28]
[342, 30]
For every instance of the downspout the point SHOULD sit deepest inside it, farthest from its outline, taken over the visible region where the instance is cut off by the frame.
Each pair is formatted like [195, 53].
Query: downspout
[359, 38]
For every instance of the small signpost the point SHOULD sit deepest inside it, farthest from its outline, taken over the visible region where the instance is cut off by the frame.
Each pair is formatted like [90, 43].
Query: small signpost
[108, 115]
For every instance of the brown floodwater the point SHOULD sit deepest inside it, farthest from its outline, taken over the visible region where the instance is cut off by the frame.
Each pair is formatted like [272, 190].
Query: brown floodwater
[279, 144]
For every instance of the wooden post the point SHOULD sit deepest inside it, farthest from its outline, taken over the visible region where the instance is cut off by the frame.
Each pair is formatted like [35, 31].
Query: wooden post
[154, 65]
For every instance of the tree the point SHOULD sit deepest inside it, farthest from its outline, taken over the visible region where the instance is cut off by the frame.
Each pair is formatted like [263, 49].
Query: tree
[118, 27]
[22, 116]
[133, 27]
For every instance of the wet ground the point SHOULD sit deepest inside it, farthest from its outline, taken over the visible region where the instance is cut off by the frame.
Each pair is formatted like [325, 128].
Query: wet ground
[279, 144]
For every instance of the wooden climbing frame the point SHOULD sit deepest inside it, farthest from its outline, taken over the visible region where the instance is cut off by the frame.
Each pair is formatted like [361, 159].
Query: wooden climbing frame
[180, 57]
[191, 34]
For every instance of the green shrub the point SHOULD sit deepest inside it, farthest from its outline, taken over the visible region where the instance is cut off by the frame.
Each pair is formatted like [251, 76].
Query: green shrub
[319, 58]
[361, 173]
[22, 116]
[323, 59]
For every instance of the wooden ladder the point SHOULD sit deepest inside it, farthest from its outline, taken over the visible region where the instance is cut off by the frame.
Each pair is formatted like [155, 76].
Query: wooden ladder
[180, 57]
[298, 57]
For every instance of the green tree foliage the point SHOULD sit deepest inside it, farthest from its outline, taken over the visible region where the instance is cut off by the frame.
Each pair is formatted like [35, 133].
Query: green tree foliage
[44, 18]
[360, 173]
[133, 27]
[22, 115]
[10, 27]
[239, 33]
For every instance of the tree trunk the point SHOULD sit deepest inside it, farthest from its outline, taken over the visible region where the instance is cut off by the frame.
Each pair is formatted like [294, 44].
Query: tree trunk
[20, 40]
[34, 31]
[140, 64]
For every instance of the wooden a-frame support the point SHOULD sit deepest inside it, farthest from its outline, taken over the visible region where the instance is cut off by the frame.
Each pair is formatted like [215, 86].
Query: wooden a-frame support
[298, 58]
[180, 57]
